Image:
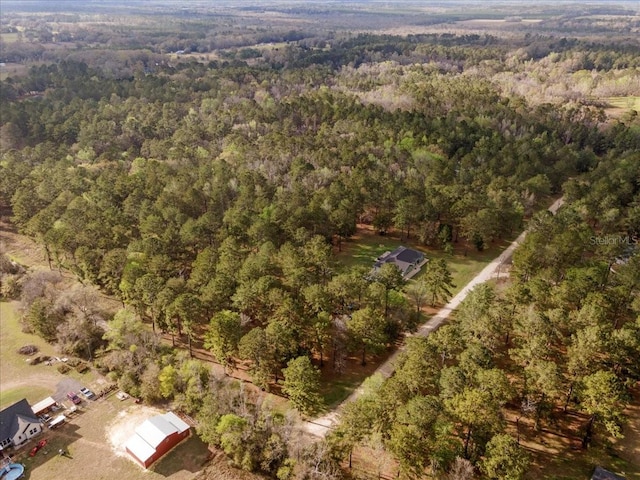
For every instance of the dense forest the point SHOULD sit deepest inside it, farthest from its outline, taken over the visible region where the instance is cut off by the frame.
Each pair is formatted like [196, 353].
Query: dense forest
[211, 196]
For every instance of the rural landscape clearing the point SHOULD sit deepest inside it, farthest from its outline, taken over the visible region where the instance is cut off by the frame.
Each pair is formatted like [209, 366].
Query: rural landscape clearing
[338, 240]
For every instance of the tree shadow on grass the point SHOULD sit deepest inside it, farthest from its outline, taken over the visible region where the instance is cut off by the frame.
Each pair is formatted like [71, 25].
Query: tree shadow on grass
[60, 439]
[191, 456]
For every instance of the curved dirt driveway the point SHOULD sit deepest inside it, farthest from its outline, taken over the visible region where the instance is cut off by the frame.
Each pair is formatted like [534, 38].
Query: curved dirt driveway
[320, 426]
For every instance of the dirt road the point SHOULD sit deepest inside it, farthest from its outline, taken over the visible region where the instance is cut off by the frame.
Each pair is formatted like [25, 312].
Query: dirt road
[320, 426]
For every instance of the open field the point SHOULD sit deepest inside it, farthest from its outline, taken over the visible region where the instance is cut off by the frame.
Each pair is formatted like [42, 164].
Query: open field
[621, 105]
[18, 379]
[33, 394]
[12, 70]
[19, 248]
[10, 37]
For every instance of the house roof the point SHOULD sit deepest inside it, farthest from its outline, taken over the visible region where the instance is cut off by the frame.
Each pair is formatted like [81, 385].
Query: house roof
[408, 255]
[176, 421]
[139, 448]
[601, 474]
[10, 416]
[43, 405]
[401, 257]
[152, 432]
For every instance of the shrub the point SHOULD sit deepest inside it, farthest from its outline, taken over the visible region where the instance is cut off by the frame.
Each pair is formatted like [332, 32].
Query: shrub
[39, 359]
[10, 287]
[82, 367]
[63, 368]
[128, 383]
[28, 350]
[74, 362]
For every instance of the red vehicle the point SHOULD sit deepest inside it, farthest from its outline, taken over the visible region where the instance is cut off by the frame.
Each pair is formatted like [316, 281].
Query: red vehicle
[74, 398]
[35, 449]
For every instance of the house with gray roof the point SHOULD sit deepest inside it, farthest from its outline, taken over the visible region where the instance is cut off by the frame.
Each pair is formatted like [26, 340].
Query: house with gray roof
[406, 259]
[18, 424]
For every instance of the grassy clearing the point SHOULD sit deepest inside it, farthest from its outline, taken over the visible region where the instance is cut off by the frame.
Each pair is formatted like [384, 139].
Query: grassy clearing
[33, 394]
[12, 338]
[12, 70]
[364, 248]
[336, 391]
[625, 103]
[10, 37]
[19, 248]
[619, 106]
[14, 366]
[19, 379]
[336, 387]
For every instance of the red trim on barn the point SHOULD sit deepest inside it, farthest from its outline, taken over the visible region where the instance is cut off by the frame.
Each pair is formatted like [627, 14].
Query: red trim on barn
[167, 444]
[143, 443]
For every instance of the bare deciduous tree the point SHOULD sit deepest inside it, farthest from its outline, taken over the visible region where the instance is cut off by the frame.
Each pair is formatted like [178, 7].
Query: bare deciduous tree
[462, 469]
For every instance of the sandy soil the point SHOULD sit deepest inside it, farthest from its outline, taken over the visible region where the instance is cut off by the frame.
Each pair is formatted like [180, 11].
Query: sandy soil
[124, 425]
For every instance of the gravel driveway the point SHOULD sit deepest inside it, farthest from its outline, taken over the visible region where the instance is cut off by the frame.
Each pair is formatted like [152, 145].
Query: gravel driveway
[320, 426]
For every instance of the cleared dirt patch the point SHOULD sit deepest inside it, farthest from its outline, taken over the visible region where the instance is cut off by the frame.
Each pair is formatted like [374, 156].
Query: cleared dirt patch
[125, 424]
[19, 248]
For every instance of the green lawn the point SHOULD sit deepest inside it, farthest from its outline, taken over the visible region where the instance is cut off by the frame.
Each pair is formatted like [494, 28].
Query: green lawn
[19, 379]
[334, 392]
[367, 247]
[580, 464]
[12, 70]
[362, 251]
[12, 338]
[32, 393]
[626, 103]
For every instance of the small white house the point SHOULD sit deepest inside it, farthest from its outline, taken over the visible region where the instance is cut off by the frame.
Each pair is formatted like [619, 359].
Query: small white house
[18, 424]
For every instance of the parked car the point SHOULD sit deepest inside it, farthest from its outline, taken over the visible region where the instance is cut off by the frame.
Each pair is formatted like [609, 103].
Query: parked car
[74, 398]
[122, 396]
[88, 394]
[40, 444]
